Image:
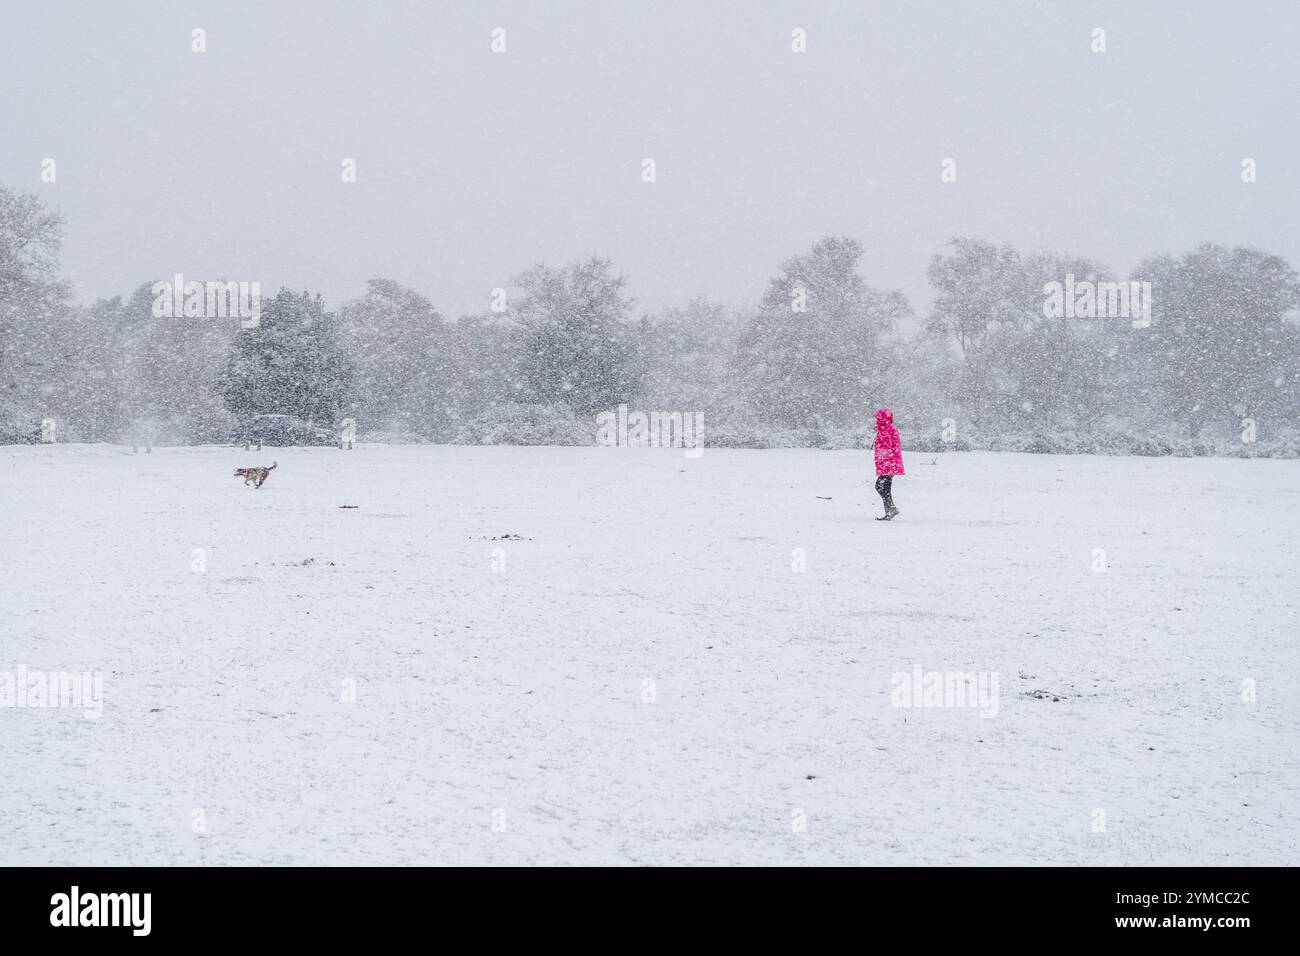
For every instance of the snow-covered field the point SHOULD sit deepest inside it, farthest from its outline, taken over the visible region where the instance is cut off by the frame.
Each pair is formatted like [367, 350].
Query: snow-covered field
[646, 679]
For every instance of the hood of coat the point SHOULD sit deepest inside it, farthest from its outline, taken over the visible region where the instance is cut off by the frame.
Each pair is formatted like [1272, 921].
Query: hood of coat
[884, 417]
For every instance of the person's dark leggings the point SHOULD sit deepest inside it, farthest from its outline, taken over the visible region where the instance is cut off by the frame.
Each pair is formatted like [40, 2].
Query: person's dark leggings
[884, 488]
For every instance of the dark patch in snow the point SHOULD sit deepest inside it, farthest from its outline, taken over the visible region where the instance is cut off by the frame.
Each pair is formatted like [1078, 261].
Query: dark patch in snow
[1045, 695]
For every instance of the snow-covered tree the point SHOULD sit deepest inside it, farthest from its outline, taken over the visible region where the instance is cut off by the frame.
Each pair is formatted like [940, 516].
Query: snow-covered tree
[33, 305]
[292, 363]
[688, 352]
[977, 287]
[395, 339]
[579, 349]
[484, 369]
[816, 345]
[1224, 334]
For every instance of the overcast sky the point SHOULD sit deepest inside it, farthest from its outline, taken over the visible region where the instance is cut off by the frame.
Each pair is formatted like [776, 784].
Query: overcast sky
[471, 165]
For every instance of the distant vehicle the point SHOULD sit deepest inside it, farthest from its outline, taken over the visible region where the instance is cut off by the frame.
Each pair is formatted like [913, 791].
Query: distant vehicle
[283, 430]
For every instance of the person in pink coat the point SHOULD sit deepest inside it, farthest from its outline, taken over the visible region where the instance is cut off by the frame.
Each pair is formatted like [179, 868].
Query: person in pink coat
[889, 460]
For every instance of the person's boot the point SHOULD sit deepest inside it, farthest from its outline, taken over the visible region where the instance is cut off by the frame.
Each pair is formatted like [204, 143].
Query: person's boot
[890, 510]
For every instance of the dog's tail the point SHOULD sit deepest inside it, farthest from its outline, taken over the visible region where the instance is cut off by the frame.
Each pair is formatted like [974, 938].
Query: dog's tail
[273, 464]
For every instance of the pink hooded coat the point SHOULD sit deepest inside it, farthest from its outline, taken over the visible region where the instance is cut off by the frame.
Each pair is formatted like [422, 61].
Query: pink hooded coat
[889, 450]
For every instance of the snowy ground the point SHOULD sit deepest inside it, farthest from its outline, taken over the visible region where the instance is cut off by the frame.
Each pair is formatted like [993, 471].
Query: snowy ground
[505, 716]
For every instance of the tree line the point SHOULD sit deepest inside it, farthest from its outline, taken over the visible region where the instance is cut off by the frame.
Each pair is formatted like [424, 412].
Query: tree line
[805, 364]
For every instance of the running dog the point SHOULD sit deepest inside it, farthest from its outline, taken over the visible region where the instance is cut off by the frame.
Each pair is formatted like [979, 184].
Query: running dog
[255, 475]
